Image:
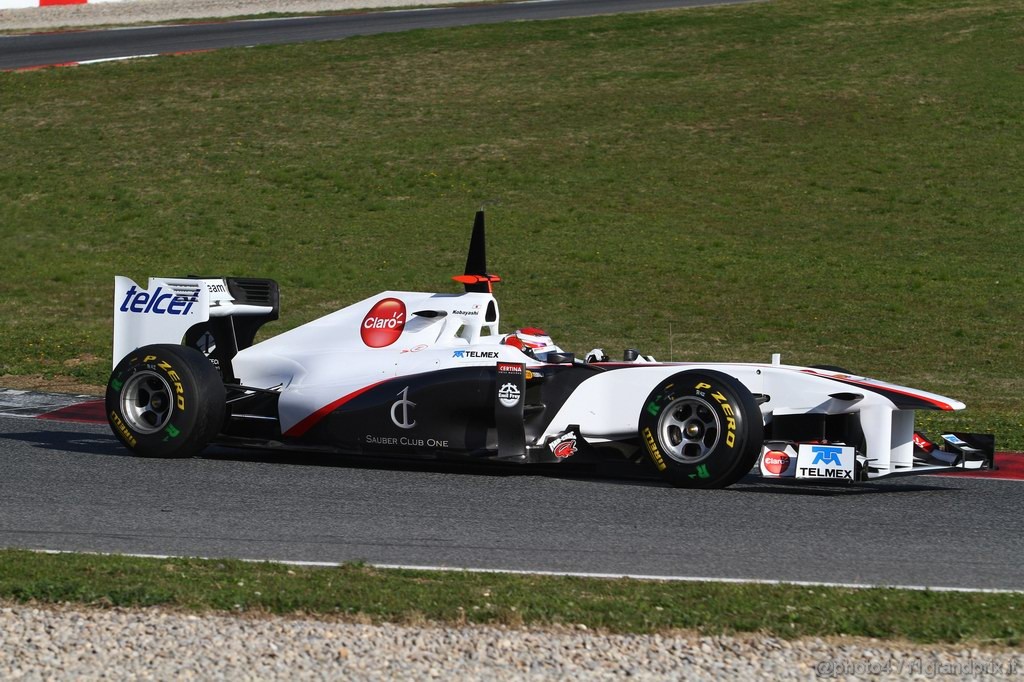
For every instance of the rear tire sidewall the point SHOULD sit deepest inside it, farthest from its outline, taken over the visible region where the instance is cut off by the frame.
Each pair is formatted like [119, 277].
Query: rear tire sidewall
[165, 400]
[727, 427]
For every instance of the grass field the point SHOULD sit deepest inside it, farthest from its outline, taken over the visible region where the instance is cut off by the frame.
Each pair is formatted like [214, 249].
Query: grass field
[836, 181]
[358, 592]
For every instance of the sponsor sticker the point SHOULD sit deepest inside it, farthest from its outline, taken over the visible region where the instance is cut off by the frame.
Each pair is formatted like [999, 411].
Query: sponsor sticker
[778, 459]
[509, 395]
[401, 410]
[405, 441]
[383, 324]
[159, 302]
[834, 462]
[923, 443]
[564, 446]
[206, 343]
[510, 368]
[475, 354]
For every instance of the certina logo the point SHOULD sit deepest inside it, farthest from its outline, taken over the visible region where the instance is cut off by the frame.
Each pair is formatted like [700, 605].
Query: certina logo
[776, 462]
[484, 355]
[383, 324]
[509, 395]
[160, 302]
[509, 368]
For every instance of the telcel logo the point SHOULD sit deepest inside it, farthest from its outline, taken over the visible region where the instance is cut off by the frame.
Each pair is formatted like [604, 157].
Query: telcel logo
[383, 324]
[159, 302]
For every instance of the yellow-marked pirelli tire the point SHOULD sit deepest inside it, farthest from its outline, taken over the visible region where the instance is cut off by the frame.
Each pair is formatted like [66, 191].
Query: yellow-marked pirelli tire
[165, 401]
[702, 429]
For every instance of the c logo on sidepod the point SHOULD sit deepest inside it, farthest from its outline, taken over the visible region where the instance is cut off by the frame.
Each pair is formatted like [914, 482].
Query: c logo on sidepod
[383, 324]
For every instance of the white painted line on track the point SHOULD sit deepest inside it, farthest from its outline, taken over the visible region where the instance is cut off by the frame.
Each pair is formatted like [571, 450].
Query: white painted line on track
[116, 59]
[567, 574]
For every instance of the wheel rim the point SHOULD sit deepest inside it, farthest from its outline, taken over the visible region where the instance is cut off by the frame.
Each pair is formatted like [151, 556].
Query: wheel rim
[146, 402]
[689, 429]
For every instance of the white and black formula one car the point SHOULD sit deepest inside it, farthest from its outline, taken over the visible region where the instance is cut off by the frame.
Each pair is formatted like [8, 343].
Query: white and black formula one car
[432, 375]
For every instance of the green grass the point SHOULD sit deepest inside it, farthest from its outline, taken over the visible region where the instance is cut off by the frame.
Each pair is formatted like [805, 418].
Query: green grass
[360, 592]
[836, 181]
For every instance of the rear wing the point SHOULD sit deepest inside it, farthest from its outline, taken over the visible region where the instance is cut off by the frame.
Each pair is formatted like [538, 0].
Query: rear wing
[217, 316]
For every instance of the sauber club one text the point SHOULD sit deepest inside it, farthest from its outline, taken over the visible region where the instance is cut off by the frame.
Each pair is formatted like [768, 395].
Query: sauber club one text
[404, 440]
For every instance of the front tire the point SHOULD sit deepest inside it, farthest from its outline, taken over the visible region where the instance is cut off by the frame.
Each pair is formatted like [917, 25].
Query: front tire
[702, 429]
[165, 400]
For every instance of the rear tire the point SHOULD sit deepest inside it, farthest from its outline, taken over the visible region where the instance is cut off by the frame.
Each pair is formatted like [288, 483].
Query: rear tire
[165, 400]
[702, 429]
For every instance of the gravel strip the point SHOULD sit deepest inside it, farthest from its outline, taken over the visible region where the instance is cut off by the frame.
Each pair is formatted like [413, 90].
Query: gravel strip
[81, 643]
[137, 11]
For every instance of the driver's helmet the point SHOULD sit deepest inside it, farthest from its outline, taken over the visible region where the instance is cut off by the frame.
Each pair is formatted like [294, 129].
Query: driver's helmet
[532, 341]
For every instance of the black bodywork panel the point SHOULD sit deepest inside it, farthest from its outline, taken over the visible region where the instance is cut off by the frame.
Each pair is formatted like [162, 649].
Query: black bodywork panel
[447, 412]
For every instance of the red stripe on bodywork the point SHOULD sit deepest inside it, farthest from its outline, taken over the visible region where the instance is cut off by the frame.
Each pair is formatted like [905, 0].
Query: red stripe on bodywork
[47, 3]
[875, 388]
[312, 420]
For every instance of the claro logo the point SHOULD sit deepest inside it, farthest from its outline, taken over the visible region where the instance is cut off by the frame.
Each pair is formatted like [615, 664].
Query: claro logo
[776, 462]
[383, 324]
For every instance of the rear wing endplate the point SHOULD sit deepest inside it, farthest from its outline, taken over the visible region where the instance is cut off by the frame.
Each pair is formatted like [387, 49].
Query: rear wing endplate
[200, 311]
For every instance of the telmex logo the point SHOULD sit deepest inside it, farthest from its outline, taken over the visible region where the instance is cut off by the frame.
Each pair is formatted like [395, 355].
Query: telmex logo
[826, 455]
[383, 324]
[159, 302]
[488, 355]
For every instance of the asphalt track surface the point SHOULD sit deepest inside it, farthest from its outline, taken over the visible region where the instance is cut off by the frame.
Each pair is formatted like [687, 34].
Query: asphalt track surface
[47, 49]
[70, 486]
